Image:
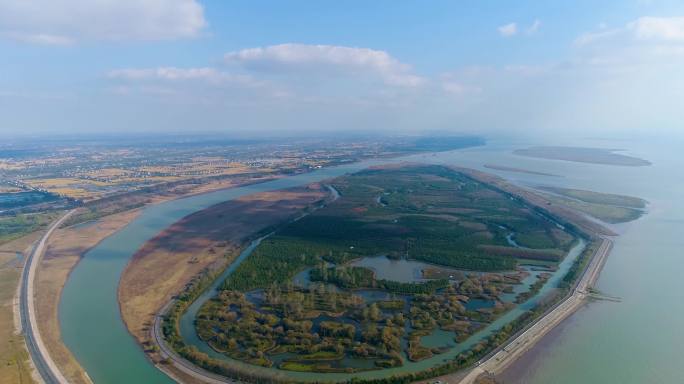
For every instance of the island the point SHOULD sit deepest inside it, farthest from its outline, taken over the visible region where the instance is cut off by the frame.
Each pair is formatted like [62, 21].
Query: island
[583, 155]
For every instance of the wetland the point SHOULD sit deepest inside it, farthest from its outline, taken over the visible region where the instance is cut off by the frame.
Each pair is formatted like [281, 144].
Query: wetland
[370, 283]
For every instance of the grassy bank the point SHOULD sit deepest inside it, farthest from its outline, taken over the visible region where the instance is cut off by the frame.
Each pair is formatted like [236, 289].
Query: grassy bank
[14, 358]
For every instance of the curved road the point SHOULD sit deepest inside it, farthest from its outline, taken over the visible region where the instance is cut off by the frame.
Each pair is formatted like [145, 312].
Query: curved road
[179, 362]
[41, 358]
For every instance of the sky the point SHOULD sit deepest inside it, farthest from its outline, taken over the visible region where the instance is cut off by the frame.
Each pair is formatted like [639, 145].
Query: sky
[250, 68]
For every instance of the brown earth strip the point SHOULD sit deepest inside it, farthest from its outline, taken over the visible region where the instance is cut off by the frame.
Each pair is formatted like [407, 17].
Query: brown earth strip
[207, 239]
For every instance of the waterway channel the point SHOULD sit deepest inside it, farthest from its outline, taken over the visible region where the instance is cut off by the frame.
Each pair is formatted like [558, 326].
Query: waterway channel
[90, 320]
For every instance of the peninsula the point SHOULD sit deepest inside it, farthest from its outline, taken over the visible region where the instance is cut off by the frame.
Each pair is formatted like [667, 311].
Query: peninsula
[308, 300]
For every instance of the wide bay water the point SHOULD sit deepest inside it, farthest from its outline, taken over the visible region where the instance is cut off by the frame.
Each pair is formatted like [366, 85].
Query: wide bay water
[629, 342]
[639, 339]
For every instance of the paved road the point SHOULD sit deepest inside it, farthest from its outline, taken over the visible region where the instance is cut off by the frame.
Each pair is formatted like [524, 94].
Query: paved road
[41, 359]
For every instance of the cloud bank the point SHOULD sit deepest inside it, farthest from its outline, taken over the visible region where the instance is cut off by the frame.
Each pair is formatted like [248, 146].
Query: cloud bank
[508, 30]
[644, 29]
[326, 58]
[63, 22]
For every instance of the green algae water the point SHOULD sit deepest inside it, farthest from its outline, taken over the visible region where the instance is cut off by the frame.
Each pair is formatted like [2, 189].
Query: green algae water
[629, 342]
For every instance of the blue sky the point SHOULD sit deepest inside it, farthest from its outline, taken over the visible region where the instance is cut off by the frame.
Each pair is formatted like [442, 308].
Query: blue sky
[309, 67]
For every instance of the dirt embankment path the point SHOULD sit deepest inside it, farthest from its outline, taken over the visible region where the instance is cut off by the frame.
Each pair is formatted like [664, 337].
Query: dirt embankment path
[64, 249]
[210, 238]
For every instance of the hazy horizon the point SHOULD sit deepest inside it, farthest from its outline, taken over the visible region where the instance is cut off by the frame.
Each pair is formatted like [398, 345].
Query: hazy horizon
[529, 69]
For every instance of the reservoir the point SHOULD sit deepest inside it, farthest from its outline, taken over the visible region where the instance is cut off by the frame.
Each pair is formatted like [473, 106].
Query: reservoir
[599, 342]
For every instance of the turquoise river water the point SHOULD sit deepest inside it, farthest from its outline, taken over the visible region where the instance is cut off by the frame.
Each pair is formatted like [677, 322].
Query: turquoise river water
[628, 342]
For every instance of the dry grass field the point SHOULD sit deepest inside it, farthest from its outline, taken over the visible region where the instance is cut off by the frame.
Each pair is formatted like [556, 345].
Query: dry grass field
[14, 360]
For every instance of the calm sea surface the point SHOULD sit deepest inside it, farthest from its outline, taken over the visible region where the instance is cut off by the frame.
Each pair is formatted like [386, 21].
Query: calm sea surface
[638, 340]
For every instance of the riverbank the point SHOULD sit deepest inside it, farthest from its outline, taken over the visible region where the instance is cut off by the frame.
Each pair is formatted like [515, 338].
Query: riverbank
[64, 250]
[68, 245]
[207, 240]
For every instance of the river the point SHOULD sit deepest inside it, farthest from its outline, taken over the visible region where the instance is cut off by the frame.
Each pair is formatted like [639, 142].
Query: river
[90, 321]
[628, 342]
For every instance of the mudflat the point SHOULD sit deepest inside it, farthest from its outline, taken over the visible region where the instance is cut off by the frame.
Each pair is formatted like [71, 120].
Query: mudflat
[518, 170]
[208, 239]
[606, 207]
[65, 248]
[583, 155]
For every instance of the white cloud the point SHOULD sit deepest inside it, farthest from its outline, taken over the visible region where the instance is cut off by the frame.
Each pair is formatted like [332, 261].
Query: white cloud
[460, 89]
[591, 37]
[532, 29]
[508, 30]
[643, 29]
[658, 28]
[326, 58]
[39, 38]
[207, 74]
[59, 22]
